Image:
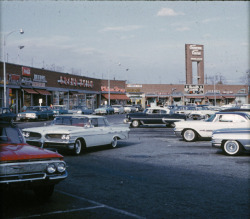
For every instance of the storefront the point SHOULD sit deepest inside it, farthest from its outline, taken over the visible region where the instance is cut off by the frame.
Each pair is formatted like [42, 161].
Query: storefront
[27, 86]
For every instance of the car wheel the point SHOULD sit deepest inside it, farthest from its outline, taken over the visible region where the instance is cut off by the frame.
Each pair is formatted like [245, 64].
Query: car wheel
[136, 123]
[114, 142]
[189, 135]
[44, 192]
[232, 148]
[77, 147]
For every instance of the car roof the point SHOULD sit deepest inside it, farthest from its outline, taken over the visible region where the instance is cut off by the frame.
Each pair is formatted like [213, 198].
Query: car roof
[233, 112]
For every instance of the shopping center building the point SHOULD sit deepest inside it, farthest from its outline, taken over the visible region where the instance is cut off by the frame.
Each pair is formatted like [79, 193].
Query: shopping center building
[28, 86]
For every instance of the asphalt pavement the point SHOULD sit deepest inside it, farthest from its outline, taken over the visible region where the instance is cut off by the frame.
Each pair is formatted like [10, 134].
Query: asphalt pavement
[153, 174]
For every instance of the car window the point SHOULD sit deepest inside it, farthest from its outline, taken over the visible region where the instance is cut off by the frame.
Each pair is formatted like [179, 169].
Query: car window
[226, 118]
[101, 122]
[239, 118]
[156, 111]
[79, 121]
[9, 134]
[163, 112]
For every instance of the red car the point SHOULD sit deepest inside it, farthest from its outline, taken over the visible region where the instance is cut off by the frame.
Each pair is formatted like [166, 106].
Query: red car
[28, 167]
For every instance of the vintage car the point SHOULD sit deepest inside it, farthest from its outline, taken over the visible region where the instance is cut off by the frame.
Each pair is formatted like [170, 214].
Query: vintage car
[201, 112]
[129, 109]
[59, 110]
[27, 167]
[232, 141]
[104, 110]
[7, 115]
[193, 130]
[119, 109]
[81, 110]
[76, 132]
[36, 113]
[153, 115]
[186, 110]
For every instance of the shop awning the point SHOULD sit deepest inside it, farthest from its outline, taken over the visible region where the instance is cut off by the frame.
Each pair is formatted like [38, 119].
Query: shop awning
[43, 92]
[116, 96]
[30, 91]
[229, 97]
[213, 97]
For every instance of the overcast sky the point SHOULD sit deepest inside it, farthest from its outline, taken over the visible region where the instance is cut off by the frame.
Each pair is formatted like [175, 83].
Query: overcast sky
[141, 42]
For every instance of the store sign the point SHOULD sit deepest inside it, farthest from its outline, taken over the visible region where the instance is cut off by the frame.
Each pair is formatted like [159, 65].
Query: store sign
[26, 81]
[117, 89]
[74, 82]
[25, 71]
[13, 79]
[39, 78]
[194, 89]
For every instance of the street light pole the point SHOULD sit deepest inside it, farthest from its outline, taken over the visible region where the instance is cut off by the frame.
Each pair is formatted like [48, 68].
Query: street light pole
[4, 64]
[214, 93]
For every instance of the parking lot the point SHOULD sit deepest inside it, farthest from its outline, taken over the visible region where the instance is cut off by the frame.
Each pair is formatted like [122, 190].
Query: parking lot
[153, 174]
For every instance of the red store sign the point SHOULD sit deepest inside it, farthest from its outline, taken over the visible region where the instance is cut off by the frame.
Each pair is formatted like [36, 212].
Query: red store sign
[25, 71]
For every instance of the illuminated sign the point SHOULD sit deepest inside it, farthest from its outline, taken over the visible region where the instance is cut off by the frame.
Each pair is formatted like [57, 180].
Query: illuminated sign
[74, 82]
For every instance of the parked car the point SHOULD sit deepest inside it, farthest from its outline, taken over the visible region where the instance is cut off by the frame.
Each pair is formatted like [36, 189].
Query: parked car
[236, 109]
[232, 141]
[193, 130]
[59, 110]
[129, 109]
[81, 110]
[36, 113]
[186, 110]
[153, 115]
[138, 107]
[76, 132]
[119, 109]
[7, 115]
[104, 110]
[201, 112]
[26, 166]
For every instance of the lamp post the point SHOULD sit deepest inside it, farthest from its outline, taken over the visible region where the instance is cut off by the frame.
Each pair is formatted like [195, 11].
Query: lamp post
[119, 64]
[18, 60]
[4, 64]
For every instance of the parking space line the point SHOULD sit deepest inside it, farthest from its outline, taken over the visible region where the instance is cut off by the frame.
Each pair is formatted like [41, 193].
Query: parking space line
[103, 205]
[59, 212]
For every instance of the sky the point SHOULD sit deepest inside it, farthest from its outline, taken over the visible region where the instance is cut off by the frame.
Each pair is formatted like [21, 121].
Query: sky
[142, 42]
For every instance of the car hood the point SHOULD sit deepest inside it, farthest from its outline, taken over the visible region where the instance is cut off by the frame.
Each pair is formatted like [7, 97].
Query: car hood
[54, 129]
[22, 152]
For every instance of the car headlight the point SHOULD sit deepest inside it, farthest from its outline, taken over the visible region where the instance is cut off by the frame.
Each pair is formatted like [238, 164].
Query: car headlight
[65, 137]
[61, 167]
[51, 168]
[26, 134]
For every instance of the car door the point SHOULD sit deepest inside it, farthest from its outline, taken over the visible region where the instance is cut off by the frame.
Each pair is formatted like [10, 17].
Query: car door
[98, 134]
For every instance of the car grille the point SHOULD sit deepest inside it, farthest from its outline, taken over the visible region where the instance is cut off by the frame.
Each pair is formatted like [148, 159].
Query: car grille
[22, 168]
[34, 135]
[53, 136]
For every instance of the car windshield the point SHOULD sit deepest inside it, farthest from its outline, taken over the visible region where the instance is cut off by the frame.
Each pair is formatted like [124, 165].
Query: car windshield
[71, 121]
[32, 108]
[10, 134]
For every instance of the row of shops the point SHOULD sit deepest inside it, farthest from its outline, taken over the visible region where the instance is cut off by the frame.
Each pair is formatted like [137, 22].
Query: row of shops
[27, 86]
